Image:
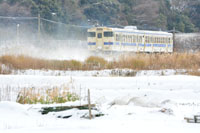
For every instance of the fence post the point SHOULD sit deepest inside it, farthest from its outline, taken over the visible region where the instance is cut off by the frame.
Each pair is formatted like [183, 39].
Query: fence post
[89, 105]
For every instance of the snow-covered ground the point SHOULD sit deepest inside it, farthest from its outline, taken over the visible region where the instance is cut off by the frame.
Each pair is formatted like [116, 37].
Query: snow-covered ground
[101, 73]
[142, 103]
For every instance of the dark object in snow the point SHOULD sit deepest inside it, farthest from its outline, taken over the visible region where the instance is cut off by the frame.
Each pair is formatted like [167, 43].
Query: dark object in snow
[65, 117]
[46, 110]
[195, 119]
[99, 114]
[167, 111]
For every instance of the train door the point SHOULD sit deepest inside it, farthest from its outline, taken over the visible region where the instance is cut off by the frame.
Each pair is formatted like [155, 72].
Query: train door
[99, 41]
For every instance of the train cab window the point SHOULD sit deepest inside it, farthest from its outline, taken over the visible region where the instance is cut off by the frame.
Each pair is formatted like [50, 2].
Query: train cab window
[91, 34]
[99, 35]
[108, 34]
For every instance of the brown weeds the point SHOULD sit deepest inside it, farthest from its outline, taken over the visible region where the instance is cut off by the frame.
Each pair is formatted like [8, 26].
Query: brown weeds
[136, 62]
[56, 94]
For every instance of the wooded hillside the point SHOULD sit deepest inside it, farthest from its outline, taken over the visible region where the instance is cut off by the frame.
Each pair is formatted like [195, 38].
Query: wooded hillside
[184, 15]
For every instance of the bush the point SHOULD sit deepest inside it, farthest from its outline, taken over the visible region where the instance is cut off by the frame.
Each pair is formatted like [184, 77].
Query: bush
[94, 62]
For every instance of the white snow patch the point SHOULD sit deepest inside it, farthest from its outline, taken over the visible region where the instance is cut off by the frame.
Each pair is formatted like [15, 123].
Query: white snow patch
[142, 104]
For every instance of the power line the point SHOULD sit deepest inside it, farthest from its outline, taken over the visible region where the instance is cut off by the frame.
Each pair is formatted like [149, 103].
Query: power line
[20, 18]
[56, 22]
[44, 19]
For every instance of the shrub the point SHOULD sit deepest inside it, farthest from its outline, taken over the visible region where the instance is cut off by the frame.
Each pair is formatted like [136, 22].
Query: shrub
[94, 62]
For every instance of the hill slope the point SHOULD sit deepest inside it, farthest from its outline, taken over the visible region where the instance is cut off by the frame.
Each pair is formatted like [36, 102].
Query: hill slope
[148, 14]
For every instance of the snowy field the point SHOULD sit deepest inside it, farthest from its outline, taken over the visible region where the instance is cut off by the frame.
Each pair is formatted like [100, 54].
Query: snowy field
[144, 103]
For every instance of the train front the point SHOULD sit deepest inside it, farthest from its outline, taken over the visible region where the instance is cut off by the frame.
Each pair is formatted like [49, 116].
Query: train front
[100, 39]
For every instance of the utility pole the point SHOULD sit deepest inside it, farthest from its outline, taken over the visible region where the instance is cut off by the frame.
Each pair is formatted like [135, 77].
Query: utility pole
[174, 42]
[39, 26]
[17, 33]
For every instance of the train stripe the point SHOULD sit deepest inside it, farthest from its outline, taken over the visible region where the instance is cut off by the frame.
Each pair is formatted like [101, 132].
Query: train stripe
[132, 44]
[91, 43]
[129, 44]
[159, 45]
[108, 43]
[148, 45]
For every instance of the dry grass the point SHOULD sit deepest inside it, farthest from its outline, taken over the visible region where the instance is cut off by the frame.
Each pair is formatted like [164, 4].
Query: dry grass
[160, 61]
[46, 96]
[194, 72]
[136, 62]
[25, 62]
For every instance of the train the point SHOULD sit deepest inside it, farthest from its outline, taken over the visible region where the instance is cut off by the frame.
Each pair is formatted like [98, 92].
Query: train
[129, 39]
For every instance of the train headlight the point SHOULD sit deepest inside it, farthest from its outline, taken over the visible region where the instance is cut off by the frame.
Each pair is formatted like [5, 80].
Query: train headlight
[99, 47]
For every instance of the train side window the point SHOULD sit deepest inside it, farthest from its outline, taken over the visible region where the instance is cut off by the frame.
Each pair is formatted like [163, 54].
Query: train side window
[91, 34]
[130, 38]
[147, 39]
[117, 37]
[141, 39]
[123, 38]
[134, 38]
[150, 39]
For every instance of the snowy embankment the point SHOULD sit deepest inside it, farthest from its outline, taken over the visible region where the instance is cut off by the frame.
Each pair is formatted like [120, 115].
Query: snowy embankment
[131, 104]
[101, 73]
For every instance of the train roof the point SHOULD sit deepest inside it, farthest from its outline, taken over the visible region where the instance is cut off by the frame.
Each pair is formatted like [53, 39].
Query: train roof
[134, 31]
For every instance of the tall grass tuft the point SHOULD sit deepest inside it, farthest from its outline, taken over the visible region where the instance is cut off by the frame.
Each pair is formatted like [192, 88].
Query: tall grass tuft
[95, 62]
[34, 95]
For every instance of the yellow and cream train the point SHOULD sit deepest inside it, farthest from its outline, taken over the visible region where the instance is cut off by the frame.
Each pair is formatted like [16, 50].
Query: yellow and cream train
[129, 39]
